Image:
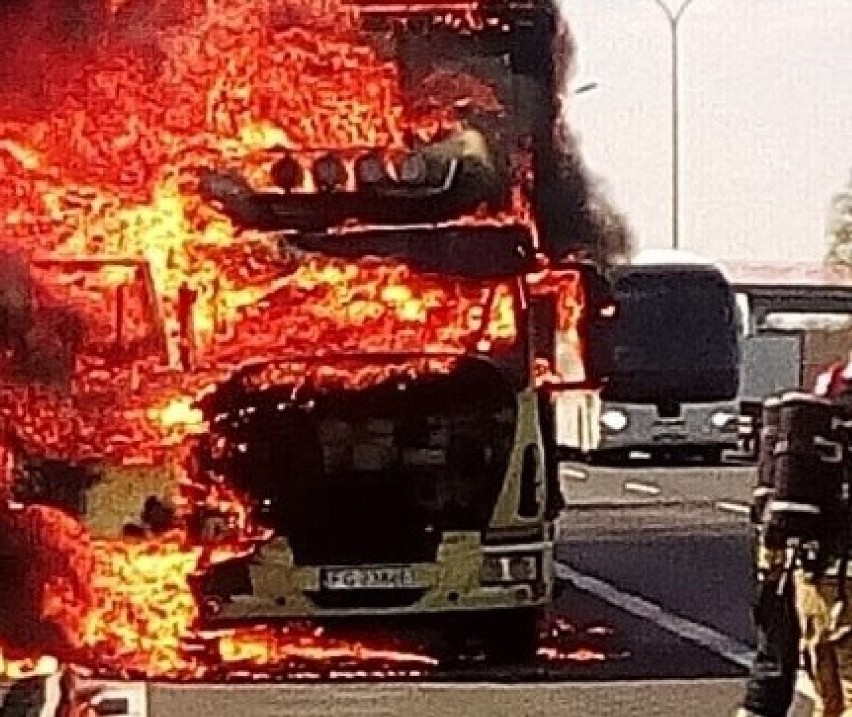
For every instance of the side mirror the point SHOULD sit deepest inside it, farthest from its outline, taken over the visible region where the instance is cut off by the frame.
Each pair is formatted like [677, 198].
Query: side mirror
[572, 317]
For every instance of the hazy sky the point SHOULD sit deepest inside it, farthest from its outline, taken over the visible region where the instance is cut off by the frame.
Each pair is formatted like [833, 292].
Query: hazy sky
[766, 119]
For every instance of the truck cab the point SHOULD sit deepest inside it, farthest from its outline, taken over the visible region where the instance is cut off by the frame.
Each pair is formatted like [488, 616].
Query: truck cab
[419, 482]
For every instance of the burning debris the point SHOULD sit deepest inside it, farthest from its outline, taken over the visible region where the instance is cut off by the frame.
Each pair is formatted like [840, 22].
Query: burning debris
[567, 643]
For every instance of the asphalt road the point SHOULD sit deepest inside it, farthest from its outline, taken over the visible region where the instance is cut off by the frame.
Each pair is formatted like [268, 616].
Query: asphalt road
[685, 548]
[695, 698]
[651, 617]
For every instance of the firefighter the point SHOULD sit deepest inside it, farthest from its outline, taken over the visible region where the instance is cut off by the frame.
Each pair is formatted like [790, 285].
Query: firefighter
[770, 689]
[772, 681]
[804, 616]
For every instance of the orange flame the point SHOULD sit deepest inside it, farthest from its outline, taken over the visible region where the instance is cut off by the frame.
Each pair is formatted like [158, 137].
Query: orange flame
[102, 181]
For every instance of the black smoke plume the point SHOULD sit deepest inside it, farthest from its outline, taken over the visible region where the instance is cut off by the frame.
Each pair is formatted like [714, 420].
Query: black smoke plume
[572, 208]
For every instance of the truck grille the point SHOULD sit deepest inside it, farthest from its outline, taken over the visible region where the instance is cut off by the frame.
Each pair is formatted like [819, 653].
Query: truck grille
[362, 524]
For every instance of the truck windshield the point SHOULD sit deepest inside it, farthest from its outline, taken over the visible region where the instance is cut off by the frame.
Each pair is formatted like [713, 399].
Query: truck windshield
[675, 337]
[372, 474]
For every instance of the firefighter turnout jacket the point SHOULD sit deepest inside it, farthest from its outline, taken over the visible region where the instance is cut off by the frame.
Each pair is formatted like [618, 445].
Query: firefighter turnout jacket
[802, 515]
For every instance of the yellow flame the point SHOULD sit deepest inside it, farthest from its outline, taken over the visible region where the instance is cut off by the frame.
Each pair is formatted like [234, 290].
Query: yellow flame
[178, 412]
[26, 157]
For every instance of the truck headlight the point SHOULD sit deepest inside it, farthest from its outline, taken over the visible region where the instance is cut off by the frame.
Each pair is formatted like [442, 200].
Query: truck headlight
[370, 170]
[614, 420]
[722, 419]
[329, 173]
[413, 169]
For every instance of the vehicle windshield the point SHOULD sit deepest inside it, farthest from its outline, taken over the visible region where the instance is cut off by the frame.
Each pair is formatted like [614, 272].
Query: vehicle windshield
[675, 337]
[430, 451]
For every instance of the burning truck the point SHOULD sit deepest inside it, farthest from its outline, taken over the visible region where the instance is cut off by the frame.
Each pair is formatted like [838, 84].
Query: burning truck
[322, 340]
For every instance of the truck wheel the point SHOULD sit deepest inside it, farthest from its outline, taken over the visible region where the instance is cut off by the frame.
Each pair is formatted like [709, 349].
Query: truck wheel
[512, 636]
[500, 637]
[609, 457]
[712, 455]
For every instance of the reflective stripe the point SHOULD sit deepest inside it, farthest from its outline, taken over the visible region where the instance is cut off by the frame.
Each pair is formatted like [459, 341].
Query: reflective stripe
[823, 383]
[761, 491]
[819, 443]
[791, 396]
[833, 570]
[788, 506]
[835, 457]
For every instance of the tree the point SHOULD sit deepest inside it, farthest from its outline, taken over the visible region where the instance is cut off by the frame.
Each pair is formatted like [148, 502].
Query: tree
[839, 228]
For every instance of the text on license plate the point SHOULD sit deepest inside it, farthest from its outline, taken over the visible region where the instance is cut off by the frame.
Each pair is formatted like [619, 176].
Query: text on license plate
[361, 578]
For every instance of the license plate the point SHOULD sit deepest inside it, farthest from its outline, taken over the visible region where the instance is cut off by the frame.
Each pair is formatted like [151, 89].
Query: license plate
[367, 578]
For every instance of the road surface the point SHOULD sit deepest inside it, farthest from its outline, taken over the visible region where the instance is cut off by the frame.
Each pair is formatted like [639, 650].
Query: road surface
[651, 617]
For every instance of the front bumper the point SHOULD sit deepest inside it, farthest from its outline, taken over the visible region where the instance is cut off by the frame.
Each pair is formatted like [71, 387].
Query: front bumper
[270, 586]
[644, 429]
[666, 440]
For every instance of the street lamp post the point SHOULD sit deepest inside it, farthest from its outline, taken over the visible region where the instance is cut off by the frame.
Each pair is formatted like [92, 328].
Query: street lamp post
[674, 24]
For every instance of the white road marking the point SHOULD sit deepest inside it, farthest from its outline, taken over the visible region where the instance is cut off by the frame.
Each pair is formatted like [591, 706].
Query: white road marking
[733, 507]
[635, 487]
[573, 474]
[708, 638]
